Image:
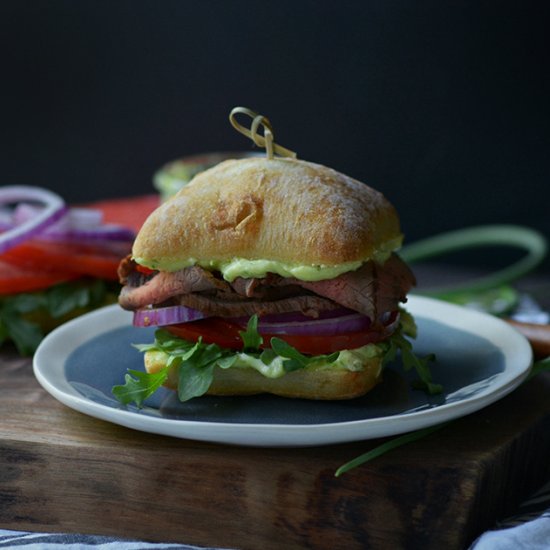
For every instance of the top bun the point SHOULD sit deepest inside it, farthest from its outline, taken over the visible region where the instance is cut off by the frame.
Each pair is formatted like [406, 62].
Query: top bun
[281, 209]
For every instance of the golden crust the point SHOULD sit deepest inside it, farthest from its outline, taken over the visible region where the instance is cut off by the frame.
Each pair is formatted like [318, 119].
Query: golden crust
[284, 210]
[320, 384]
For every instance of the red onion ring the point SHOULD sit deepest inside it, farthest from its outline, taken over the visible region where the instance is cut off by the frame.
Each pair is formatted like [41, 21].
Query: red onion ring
[54, 209]
[352, 322]
[339, 321]
[162, 316]
[77, 225]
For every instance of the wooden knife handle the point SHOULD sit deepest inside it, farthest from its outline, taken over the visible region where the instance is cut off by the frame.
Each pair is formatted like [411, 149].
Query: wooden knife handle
[538, 336]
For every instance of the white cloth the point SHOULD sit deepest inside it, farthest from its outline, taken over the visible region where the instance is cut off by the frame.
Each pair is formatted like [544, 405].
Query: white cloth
[529, 529]
[533, 535]
[51, 541]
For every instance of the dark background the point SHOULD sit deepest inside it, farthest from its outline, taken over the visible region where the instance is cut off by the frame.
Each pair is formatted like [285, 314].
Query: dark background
[441, 105]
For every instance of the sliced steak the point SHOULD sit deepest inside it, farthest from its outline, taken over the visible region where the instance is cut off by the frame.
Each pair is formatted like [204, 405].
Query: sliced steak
[308, 304]
[164, 285]
[372, 289]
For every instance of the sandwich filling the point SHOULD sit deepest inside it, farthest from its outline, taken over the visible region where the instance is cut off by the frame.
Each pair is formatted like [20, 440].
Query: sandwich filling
[372, 290]
[235, 330]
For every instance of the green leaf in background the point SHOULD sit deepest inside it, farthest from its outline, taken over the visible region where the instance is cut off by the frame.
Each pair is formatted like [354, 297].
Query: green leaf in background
[25, 335]
[24, 303]
[64, 298]
[25, 317]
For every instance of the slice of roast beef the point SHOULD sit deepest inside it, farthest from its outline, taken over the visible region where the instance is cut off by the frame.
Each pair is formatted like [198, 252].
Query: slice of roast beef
[373, 289]
[165, 285]
[308, 304]
[393, 284]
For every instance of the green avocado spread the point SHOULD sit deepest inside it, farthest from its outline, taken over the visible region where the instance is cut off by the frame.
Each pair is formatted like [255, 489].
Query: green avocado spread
[240, 267]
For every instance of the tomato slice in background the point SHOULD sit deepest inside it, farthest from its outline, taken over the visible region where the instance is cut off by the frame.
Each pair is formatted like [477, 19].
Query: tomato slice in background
[129, 212]
[215, 330]
[81, 259]
[14, 279]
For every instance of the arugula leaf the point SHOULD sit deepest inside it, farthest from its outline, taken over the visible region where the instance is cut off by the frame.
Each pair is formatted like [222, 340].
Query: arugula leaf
[169, 344]
[138, 389]
[251, 337]
[296, 360]
[226, 362]
[280, 347]
[195, 363]
[194, 380]
[267, 356]
[196, 370]
[410, 360]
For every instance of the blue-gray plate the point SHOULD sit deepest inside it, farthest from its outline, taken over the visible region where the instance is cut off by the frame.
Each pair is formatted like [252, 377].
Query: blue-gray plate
[479, 359]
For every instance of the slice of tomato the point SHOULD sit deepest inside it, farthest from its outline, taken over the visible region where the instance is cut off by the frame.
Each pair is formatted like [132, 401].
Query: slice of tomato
[213, 330]
[129, 212]
[216, 330]
[81, 259]
[14, 279]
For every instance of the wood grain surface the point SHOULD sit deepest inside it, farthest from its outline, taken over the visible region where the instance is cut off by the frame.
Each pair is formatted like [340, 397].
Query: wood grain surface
[63, 471]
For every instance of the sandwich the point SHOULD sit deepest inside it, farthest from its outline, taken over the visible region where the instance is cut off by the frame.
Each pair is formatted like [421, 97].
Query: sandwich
[269, 275]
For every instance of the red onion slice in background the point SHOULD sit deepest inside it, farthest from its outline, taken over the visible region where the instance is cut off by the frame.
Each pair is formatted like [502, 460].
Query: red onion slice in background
[54, 209]
[73, 225]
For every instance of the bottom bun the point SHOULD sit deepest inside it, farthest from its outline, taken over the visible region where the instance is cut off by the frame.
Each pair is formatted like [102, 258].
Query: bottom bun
[322, 384]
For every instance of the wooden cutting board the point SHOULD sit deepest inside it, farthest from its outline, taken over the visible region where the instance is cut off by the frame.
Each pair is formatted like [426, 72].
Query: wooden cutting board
[63, 471]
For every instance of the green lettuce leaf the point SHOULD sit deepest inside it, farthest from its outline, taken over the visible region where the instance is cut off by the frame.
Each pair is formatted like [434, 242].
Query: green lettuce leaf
[26, 317]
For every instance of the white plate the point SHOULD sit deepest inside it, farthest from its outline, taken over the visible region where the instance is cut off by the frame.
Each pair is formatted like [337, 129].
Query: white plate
[479, 360]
